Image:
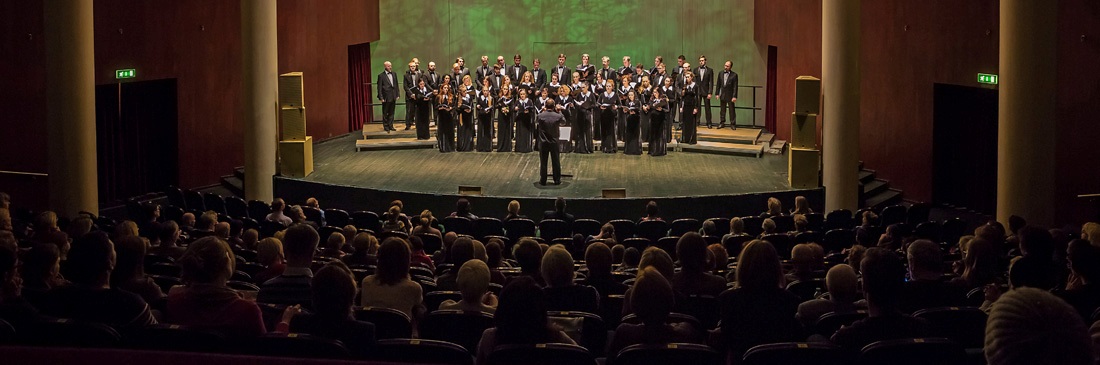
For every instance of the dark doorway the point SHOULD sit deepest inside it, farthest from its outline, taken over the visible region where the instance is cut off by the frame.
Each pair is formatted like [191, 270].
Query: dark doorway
[964, 147]
[136, 138]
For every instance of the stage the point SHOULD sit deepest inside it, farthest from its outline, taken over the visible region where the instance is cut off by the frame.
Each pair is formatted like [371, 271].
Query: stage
[396, 166]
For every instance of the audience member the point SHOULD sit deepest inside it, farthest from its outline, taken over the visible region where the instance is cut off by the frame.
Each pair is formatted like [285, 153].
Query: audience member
[312, 203]
[14, 309]
[843, 288]
[269, 252]
[129, 273]
[607, 231]
[462, 209]
[801, 206]
[720, 258]
[461, 251]
[709, 228]
[597, 258]
[804, 261]
[758, 310]
[204, 301]
[366, 250]
[651, 257]
[400, 216]
[1091, 232]
[768, 226]
[629, 258]
[558, 212]
[390, 286]
[653, 299]
[651, 212]
[334, 246]
[529, 256]
[494, 251]
[520, 320]
[513, 211]
[41, 271]
[775, 208]
[980, 266]
[883, 280]
[425, 226]
[1031, 326]
[926, 287]
[169, 241]
[187, 224]
[473, 283]
[277, 207]
[149, 225]
[693, 278]
[293, 285]
[393, 223]
[249, 238]
[90, 297]
[334, 290]
[419, 257]
[562, 294]
[1084, 265]
[78, 227]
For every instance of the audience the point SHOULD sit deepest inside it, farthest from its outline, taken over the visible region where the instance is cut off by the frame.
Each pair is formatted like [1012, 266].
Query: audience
[14, 309]
[277, 207]
[1084, 265]
[804, 261]
[334, 246]
[758, 310]
[843, 286]
[169, 241]
[494, 252]
[883, 279]
[269, 253]
[419, 257]
[204, 301]
[461, 251]
[651, 212]
[801, 206]
[41, 271]
[293, 285]
[366, 251]
[529, 256]
[473, 283]
[597, 258]
[562, 294]
[425, 226]
[693, 278]
[980, 266]
[390, 286]
[652, 299]
[334, 292]
[129, 273]
[394, 223]
[775, 208]
[520, 320]
[462, 209]
[926, 287]
[558, 212]
[768, 227]
[90, 296]
[1031, 326]
[720, 258]
[513, 211]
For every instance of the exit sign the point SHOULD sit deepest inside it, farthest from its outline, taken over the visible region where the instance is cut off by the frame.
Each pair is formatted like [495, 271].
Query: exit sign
[987, 79]
[126, 73]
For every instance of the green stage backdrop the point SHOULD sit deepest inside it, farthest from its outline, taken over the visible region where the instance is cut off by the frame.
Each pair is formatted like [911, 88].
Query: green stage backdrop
[440, 30]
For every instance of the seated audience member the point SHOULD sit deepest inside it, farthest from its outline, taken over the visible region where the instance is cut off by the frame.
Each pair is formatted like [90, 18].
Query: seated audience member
[293, 285]
[366, 250]
[334, 246]
[187, 224]
[419, 257]
[693, 278]
[652, 300]
[768, 226]
[473, 283]
[758, 310]
[659, 260]
[597, 258]
[269, 252]
[334, 291]
[313, 203]
[652, 213]
[883, 279]
[843, 288]
[494, 251]
[1084, 265]
[127, 228]
[529, 256]
[926, 287]
[561, 293]
[737, 229]
[394, 223]
[513, 211]
[129, 273]
[775, 208]
[349, 232]
[79, 227]
[298, 216]
[277, 207]
[720, 258]
[13, 307]
[249, 238]
[803, 262]
[864, 232]
[41, 271]
[90, 297]
[425, 226]
[149, 225]
[893, 239]
[205, 226]
[607, 232]
[5, 221]
[980, 266]
[461, 251]
[400, 216]
[709, 228]
[204, 301]
[390, 286]
[46, 229]
[1031, 326]
[801, 224]
[169, 241]
[1091, 232]
[630, 258]
[558, 212]
[855, 257]
[462, 209]
[801, 206]
[442, 255]
[520, 319]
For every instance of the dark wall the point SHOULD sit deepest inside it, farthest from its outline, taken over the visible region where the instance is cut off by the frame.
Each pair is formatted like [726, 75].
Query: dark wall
[197, 43]
[1077, 114]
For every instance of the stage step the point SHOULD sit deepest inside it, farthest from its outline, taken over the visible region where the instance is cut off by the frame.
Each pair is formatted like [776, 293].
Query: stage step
[233, 184]
[724, 148]
[393, 144]
[865, 176]
[399, 133]
[748, 136]
[875, 186]
[883, 199]
[239, 172]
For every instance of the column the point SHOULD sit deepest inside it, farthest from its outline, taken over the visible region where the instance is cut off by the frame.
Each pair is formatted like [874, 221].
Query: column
[1026, 133]
[840, 104]
[260, 98]
[70, 106]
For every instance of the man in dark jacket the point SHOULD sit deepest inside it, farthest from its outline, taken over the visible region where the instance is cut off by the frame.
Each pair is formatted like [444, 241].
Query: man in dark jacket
[548, 123]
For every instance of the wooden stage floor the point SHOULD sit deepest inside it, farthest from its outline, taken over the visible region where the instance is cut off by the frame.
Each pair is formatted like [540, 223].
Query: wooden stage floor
[516, 174]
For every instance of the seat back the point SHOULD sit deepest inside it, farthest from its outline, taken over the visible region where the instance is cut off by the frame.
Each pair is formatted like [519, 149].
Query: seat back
[551, 229]
[460, 327]
[587, 227]
[918, 213]
[806, 290]
[753, 225]
[669, 245]
[797, 353]
[420, 351]
[640, 244]
[673, 353]
[214, 202]
[893, 214]
[69, 333]
[337, 218]
[624, 228]
[840, 218]
[816, 222]
[195, 201]
[673, 318]
[433, 299]
[173, 337]
[593, 331]
[172, 213]
[929, 231]
[832, 321]
[963, 325]
[366, 220]
[175, 197]
[733, 244]
[705, 308]
[838, 239]
[684, 225]
[388, 323]
[488, 226]
[258, 210]
[783, 223]
[913, 351]
[165, 282]
[297, 345]
[268, 228]
[432, 243]
[314, 215]
[652, 230]
[519, 228]
[459, 225]
[540, 354]
[236, 207]
[387, 234]
[807, 237]
[781, 242]
[721, 225]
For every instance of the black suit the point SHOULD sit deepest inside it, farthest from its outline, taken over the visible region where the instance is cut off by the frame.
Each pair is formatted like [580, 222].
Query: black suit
[387, 93]
[625, 70]
[482, 73]
[512, 73]
[548, 133]
[553, 214]
[727, 90]
[433, 80]
[410, 81]
[609, 74]
[704, 76]
[590, 69]
[565, 76]
[538, 76]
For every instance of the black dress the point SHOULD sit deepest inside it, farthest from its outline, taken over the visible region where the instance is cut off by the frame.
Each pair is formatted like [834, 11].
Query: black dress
[525, 125]
[643, 97]
[690, 97]
[423, 113]
[568, 109]
[485, 124]
[465, 123]
[621, 124]
[582, 123]
[658, 109]
[505, 123]
[607, 104]
[632, 143]
[445, 126]
[670, 113]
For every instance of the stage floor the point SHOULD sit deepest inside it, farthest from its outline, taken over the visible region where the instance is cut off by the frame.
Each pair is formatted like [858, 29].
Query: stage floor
[427, 171]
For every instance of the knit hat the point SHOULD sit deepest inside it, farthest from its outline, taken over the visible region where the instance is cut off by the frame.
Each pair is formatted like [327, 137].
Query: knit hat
[1032, 326]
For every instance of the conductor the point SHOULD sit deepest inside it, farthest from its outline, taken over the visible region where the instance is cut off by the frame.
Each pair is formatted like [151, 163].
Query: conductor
[548, 123]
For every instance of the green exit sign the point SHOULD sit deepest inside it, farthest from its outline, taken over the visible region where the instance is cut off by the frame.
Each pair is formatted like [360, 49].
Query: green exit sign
[126, 74]
[987, 79]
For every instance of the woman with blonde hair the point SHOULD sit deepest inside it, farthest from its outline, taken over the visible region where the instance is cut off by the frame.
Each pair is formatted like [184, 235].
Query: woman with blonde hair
[473, 283]
[775, 208]
[424, 225]
[653, 299]
[645, 92]
[607, 102]
[269, 252]
[445, 125]
[524, 121]
[204, 301]
[513, 211]
[527, 82]
[759, 310]
[505, 120]
[465, 113]
[562, 294]
[801, 206]
[1091, 232]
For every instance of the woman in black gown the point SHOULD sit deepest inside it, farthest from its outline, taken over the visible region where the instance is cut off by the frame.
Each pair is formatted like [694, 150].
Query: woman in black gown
[645, 91]
[422, 97]
[465, 120]
[624, 88]
[657, 108]
[505, 120]
[669, 92]
[583, 120]
[444, 120]
[568, 109]
[632, 139]
[608, 102]
[485, 106]
[524, 122]
[690, 101]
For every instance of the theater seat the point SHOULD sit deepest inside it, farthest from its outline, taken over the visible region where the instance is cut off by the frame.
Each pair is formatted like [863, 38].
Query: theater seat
[433, 299]
[684, 225]
[298, 345]
[363, 219]
[388, 323]
[964, 325]
[551, 229]
[519, 228]
[541, 354]
[587, 227]
[420, 351]
[172, 337]
[797, 353]
[652, 230]
[593, 331]
[7, 332]
[913, 351]
[624, 228]
[69, 333]
[337, 217]
[673, 353]
[460, 327]
[488, 226]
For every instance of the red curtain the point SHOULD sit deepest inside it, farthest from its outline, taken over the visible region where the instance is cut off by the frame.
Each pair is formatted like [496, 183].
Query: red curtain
[769, 104]
[359, 88]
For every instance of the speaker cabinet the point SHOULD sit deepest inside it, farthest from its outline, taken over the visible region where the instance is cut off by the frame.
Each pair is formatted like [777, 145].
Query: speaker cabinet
[803, 130]
[294, 123]
[291, 94]
[807, 95]
[802, 168]
[296, 157]
[614, 193]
